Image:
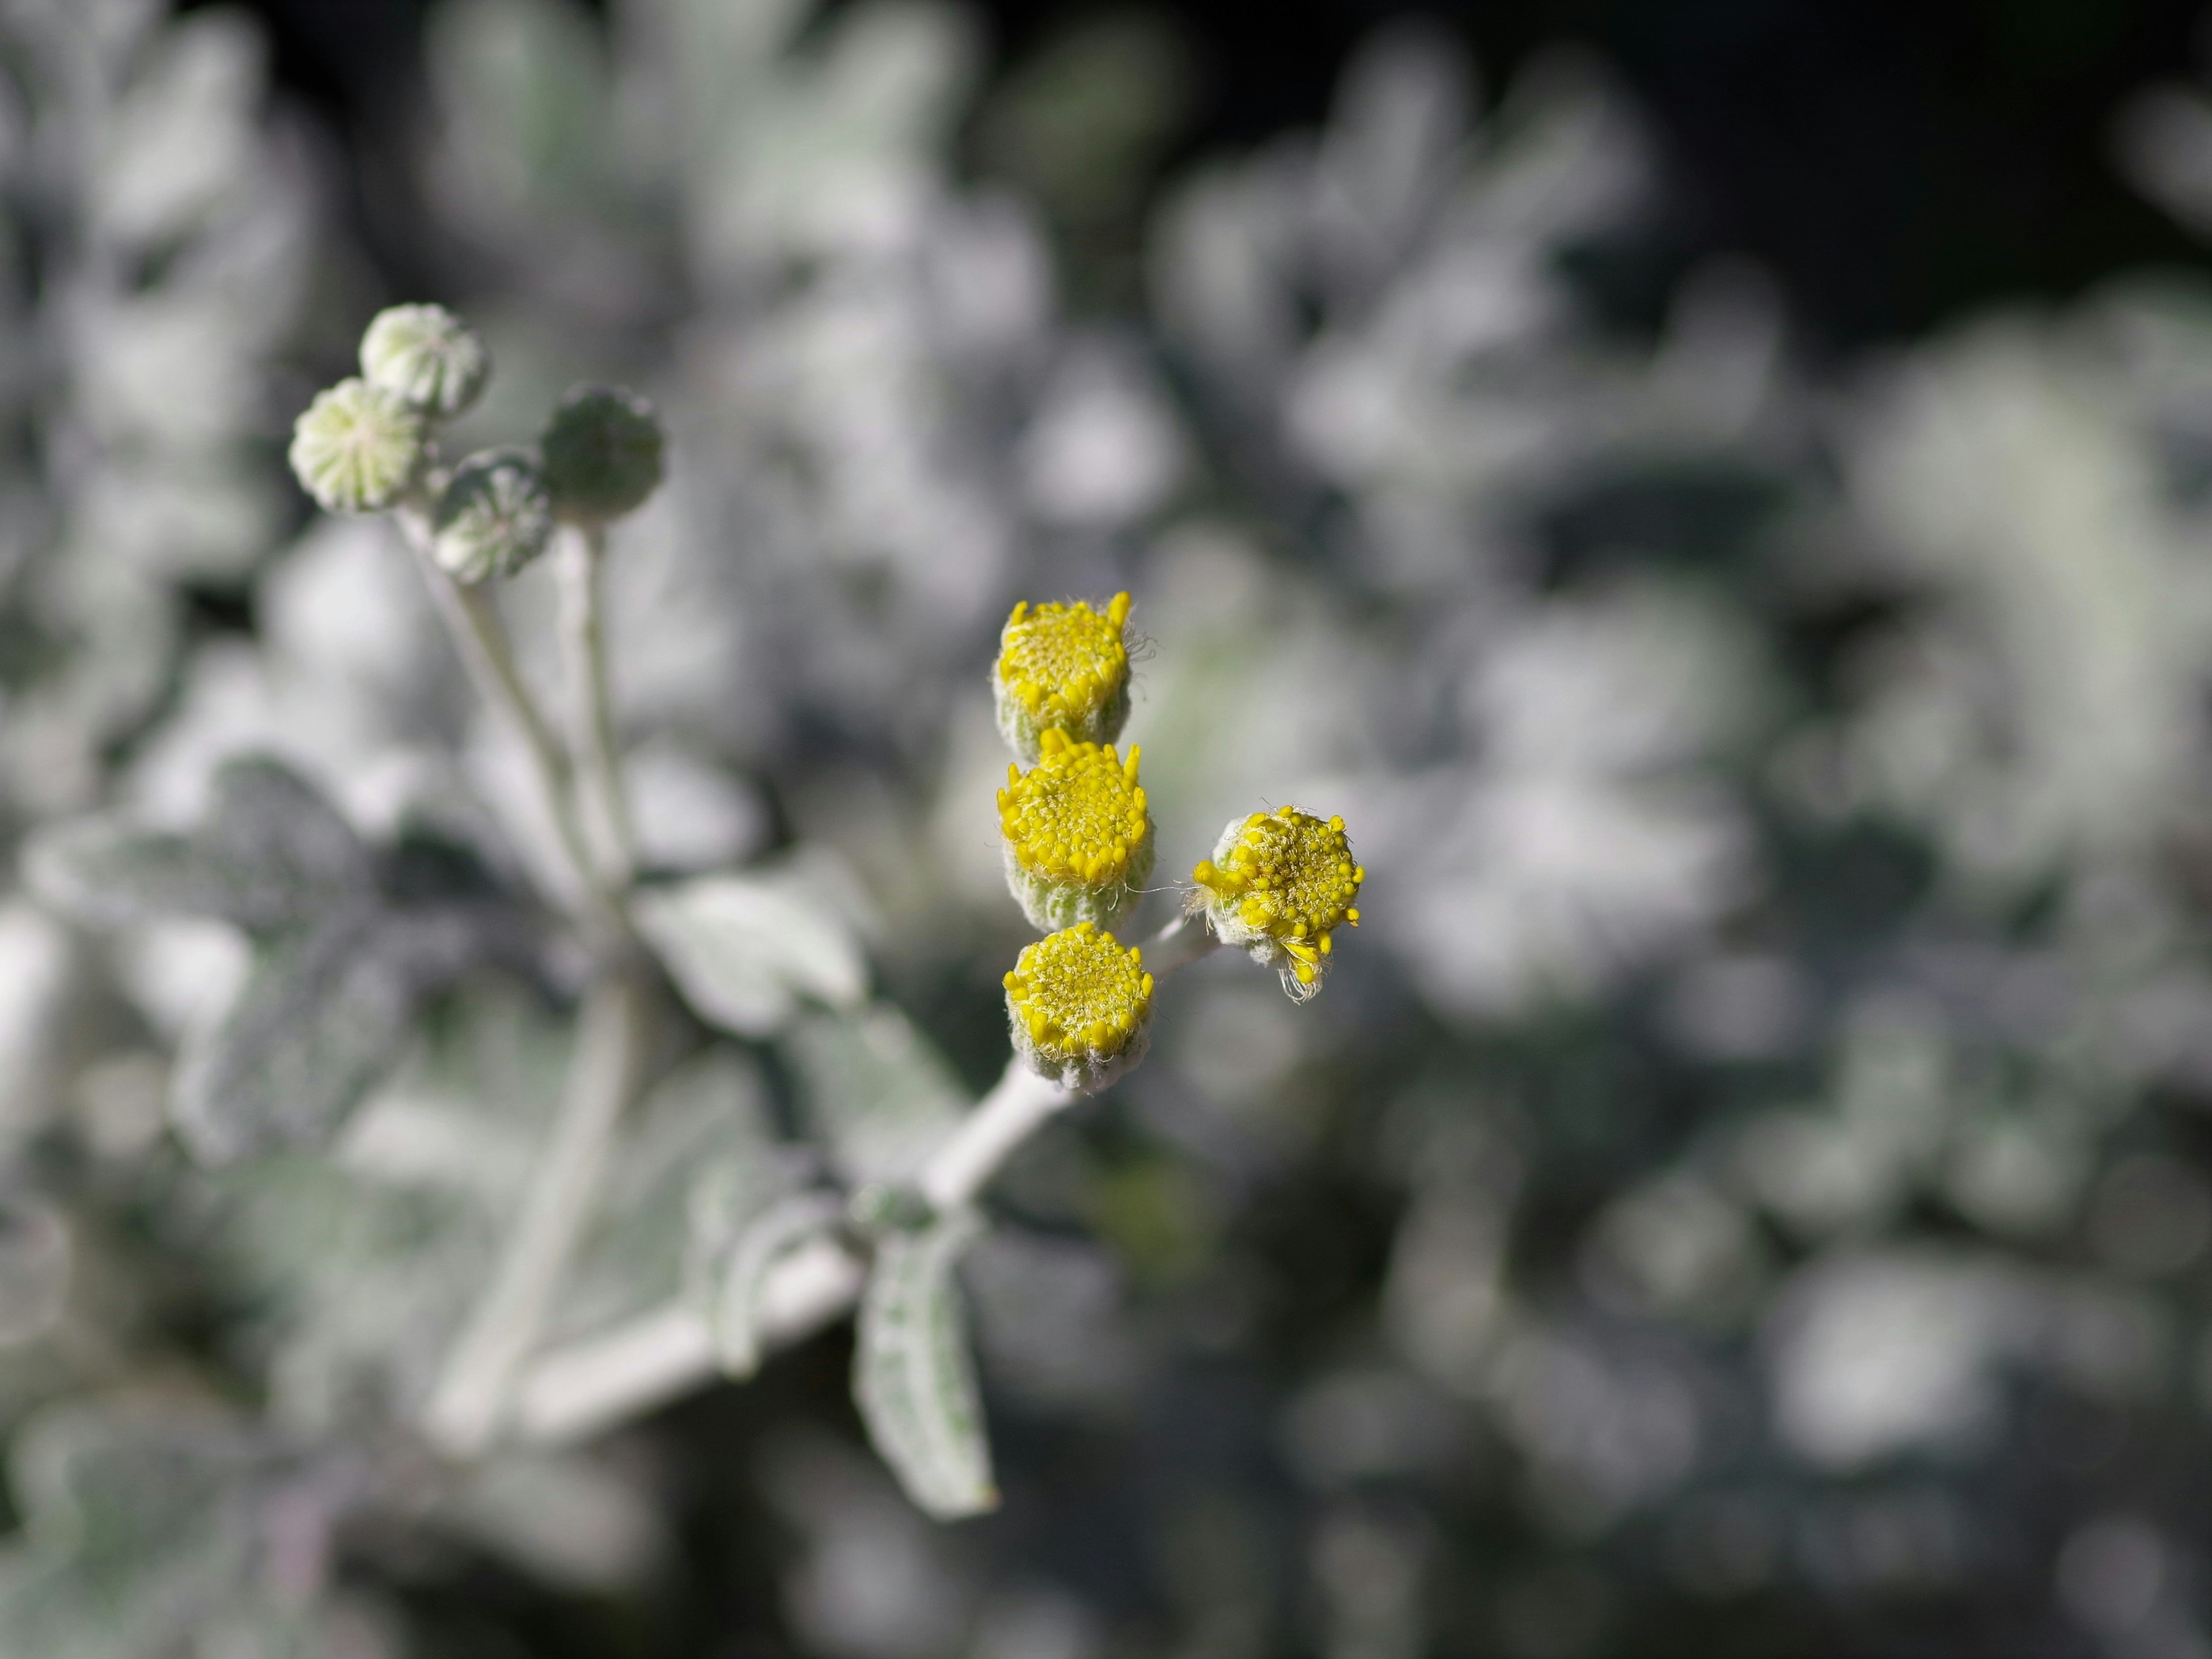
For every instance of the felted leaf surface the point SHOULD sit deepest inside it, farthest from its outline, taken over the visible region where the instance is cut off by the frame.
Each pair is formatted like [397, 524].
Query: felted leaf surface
[912, 1376]
[272, 853]
[877, 1090]
[321, 1017]
[707, 1117]
[734, 1294]
[366, 1261]
[744, 949]
[137, 1526]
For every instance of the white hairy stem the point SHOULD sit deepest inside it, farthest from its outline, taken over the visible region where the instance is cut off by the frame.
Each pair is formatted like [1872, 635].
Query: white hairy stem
[589, 1386]
[578, 561]
[471, 1405]
[478, 634]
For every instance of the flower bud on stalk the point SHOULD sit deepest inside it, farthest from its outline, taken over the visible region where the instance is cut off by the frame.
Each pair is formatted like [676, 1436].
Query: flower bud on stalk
[1276, 887]
[603, 452]
[1077, 837]
[1064, 666]
[357, 447]
[427, 357]
[1081, 1008]
[496, 516]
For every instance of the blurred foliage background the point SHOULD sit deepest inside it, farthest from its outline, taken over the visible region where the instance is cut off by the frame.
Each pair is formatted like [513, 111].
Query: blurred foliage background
[1717, 496]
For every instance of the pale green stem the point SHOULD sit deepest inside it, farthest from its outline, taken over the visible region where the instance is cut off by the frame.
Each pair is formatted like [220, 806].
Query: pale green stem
[589, 1386]
[578, 560]
[470, 1404]
[474, 624]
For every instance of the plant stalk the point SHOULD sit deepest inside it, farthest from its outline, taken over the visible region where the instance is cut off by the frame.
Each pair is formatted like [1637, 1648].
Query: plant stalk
[580, 1389]
[470, 1404]
[474, 624]
[579, 559]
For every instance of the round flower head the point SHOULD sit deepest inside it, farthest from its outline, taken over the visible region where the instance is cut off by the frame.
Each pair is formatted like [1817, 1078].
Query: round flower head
[603, 448]
[427, 357]
[1065, 665]
[356, 448]
[1278, 885]
[1081, 1008]
[496, 516]
[1079, 841]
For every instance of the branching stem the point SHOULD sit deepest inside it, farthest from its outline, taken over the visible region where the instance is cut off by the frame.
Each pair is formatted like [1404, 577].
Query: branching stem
[478, 634]
[470, 1404]
[577, 560]
[589, 1386]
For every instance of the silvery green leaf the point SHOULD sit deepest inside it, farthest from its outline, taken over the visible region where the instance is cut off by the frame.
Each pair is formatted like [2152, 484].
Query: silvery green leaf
[523, 89]
[137, 1526]
[912, 1376]
[708, 1114]
[734, 1308]
[321, 1017]
[877, 1090]
[744, 949]
[271, 854]
[366, 1261]
[34, 1267]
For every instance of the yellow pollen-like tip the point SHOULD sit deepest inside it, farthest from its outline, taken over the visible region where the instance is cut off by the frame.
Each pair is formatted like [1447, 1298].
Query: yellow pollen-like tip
[1078, 994]
[1071, 653]
[1282, 881]
[1075, 811]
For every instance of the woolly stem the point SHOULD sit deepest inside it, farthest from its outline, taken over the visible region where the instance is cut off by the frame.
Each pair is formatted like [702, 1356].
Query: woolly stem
[470, 1404]
[578, 560]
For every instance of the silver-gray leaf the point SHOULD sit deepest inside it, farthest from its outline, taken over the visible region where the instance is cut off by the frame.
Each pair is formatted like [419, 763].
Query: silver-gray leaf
[322, 1015]
[912, 1376]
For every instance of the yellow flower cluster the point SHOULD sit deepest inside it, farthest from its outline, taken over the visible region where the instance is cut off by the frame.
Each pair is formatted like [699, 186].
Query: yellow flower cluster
[1076, 820]
[1081, 1006]
[1276, 886]
[1063, 666]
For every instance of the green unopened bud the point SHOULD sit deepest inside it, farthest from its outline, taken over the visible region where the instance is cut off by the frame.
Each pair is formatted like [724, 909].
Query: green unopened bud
[1278, 887]
[496, 516]
[1080, 1005]
[427, 356]
[356, 448]
[603, 453]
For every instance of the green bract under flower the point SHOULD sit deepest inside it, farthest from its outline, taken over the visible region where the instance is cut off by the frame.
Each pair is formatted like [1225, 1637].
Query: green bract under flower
[427, 357]
[1077, 838]
[1066, 666]
[602, 452]
[357, 447]
[1081, 1008]
[496, 516]
[1278, 885]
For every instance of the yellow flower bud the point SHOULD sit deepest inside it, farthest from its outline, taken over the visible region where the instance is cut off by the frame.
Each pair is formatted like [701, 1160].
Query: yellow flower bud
[1278, 887]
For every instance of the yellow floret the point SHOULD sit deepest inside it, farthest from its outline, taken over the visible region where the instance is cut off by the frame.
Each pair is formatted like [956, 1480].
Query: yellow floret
[1080, 1005]
[1063, 666]
[1278, 886]
[1078, 815]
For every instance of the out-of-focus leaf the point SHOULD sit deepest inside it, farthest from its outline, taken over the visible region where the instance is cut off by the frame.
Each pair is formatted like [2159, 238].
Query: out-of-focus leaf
[137, 1527]
[877, 1090]
[525, 89]
[706, 1117]
[272, 853]
[34, 1267]
[744, 949]
[912, 1376]
[183, 135]
[366, 1261]
[321, 1017]
[735, 1290]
